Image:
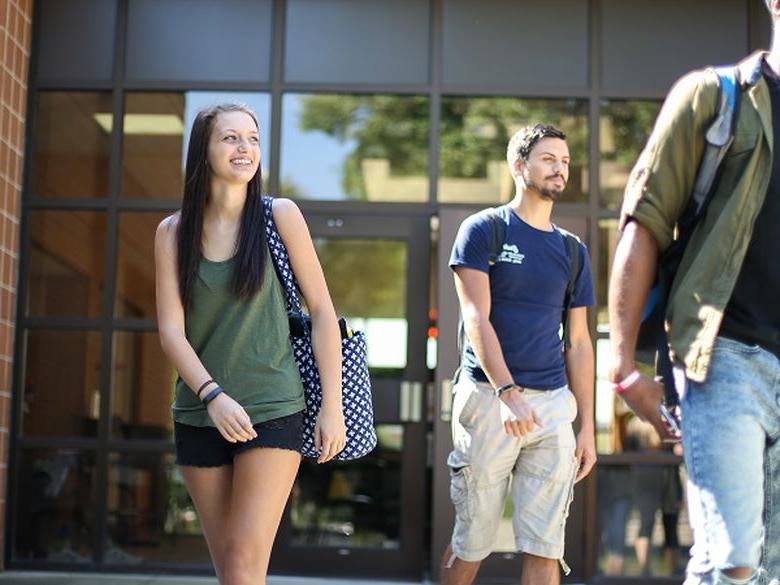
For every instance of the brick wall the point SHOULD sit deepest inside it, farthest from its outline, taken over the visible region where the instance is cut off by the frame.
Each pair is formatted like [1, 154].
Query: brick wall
[15, 19]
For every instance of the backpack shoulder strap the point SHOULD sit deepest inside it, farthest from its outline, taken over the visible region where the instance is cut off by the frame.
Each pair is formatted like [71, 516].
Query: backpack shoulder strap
[719, 136]
[576, 259]
[498, 218]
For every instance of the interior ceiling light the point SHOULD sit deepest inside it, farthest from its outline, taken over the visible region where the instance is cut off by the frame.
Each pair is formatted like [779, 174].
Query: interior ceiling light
[144, 124]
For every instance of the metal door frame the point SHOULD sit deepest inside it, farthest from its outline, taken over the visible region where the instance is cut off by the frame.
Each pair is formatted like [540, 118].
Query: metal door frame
[395, 401]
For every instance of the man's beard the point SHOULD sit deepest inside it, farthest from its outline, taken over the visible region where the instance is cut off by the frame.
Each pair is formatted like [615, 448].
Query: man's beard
[548, 194]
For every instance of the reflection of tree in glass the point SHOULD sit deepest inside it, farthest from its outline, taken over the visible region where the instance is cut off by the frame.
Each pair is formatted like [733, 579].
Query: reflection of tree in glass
[366, 278]
[625, 126]
[394, 128]
[475, 131]
[629, 124]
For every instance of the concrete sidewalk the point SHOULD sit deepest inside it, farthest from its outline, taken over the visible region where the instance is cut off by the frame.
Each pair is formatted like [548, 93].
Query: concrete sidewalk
[40, 578]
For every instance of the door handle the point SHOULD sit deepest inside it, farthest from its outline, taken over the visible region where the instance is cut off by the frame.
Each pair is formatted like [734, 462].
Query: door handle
[445, 400]
[410, 401]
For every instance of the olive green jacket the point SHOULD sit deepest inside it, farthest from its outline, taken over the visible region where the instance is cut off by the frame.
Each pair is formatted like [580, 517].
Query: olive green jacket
[662, 181]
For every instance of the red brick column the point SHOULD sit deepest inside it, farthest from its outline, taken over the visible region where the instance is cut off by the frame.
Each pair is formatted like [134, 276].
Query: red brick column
[15, 19]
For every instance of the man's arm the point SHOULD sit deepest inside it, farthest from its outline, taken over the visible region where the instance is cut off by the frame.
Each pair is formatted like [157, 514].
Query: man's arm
[632, 276]
[579, 370]
[473, 288]
[656, 195]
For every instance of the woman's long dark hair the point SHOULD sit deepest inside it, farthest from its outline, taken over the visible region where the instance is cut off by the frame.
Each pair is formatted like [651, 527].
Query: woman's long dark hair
[251, 254]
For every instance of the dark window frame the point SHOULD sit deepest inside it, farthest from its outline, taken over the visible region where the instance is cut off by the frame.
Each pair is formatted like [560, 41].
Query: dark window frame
[103, 445]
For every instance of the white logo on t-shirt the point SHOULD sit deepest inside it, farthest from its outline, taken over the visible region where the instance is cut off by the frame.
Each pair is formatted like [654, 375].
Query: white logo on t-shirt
[510, 253]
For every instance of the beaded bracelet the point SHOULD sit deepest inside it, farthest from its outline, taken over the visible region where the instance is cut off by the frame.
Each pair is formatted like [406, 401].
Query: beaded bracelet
[203, 387]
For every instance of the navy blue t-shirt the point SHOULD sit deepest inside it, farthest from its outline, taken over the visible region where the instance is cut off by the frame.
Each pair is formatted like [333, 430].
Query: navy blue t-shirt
[527, 288]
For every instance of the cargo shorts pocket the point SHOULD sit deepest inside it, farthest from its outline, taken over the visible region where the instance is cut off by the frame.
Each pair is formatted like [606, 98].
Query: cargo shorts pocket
[459, 492]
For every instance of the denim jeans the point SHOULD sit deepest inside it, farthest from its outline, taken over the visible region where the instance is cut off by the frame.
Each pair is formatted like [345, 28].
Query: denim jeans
[730, 428]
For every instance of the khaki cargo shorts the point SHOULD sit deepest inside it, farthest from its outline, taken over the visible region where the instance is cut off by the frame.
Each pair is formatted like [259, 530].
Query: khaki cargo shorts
[486, 463]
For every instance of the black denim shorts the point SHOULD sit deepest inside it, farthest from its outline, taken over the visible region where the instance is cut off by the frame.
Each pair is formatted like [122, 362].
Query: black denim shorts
[206, 447]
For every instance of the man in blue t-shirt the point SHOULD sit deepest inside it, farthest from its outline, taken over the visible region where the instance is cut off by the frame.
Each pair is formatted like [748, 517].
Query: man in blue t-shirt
[513, 409]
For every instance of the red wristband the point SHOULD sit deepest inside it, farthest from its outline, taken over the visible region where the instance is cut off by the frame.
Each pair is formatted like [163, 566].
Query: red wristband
[623, 385]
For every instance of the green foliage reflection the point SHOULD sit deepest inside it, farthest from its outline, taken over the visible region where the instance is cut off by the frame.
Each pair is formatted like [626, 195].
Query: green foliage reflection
[625, 127]
[366, 278]
[385, 127]
[475, 132]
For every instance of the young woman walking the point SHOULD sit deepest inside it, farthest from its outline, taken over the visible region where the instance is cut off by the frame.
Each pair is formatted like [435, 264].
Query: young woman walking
[223, 324]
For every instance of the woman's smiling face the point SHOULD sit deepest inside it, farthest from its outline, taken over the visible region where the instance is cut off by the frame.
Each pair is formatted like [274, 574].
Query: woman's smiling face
[234, 147]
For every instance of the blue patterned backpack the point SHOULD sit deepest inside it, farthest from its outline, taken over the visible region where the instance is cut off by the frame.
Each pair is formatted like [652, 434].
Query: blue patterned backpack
[355, 381]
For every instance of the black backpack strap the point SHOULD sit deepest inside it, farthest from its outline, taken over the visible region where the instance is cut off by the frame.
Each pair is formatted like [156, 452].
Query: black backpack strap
[576, 260]
[498, 219]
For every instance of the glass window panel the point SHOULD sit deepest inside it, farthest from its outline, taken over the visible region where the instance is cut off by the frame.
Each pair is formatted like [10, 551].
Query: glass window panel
[55, 515]
[432, 344]
[374, 302]
[608, 239]
[61, 383]
[365, 147]
[199, 40]
[488, 42]
[135, 291]
[355, 504]
[474, 135]
[156, 134]
[66, 263]
[151, 518]
[64, 51]
[71, 146]
[612, 414]
[658, 35]
[624, 128]
[610, 410]
[142, 381]
[321, 37]
[643, 521]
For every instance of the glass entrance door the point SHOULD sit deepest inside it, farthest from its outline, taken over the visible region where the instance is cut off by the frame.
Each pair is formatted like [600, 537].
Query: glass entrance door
[367, 517]
[504, 563]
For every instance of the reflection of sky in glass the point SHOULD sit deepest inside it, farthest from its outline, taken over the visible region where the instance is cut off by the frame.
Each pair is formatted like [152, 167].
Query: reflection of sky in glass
[312, 162]
[194, 101]
[385, 340]
[605, 397]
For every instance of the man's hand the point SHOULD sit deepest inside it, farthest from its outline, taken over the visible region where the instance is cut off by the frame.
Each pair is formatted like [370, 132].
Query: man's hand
[518, 417]
[644, 397]
[585, 453]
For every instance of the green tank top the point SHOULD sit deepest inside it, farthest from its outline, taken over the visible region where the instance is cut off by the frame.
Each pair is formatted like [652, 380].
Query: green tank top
[244, 344]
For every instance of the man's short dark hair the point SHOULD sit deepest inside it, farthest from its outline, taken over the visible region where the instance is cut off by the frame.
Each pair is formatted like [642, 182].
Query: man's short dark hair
[524, 140]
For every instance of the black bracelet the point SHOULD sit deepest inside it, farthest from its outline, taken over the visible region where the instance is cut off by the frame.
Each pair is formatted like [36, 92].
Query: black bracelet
[506, 388]
[203, 386]
[212, 395]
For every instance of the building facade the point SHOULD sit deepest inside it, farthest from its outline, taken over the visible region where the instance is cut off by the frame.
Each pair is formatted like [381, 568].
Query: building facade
[387, 121]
